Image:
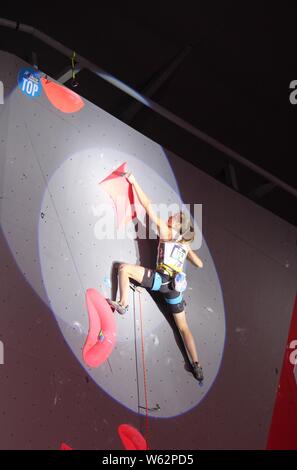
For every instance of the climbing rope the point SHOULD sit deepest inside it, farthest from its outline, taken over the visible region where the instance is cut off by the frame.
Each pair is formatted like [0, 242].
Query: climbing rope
[144, 374]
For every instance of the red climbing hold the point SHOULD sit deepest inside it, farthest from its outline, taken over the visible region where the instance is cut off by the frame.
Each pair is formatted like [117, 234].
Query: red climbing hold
[64, 446]
[101, 338]
[61, 97]
[131, 438]
[123, 195]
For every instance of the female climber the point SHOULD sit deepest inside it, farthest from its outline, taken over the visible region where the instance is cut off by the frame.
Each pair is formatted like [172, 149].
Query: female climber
[175, 238]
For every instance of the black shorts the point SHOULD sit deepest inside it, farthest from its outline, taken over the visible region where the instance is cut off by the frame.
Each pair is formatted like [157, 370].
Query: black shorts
[158, 281]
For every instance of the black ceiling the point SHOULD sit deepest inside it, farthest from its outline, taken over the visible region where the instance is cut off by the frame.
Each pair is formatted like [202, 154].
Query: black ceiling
[233, 83]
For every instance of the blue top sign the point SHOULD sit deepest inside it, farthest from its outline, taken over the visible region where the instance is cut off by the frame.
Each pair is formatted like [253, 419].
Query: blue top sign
[29, 82]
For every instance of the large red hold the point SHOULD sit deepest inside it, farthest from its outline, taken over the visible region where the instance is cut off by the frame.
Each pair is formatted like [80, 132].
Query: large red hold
[123, 195]
[64, 446]
[62, 98]
[101, 337]
[131, 438]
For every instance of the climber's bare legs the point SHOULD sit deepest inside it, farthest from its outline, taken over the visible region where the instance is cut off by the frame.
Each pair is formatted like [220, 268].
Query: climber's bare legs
[186, 334]
[126, 272]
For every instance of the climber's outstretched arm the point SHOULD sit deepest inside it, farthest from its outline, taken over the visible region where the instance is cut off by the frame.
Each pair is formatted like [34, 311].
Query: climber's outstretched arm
[162, 226]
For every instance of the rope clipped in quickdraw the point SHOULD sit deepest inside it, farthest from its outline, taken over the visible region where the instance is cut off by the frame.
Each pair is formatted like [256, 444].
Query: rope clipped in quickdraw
[154, 408]
[74, 82]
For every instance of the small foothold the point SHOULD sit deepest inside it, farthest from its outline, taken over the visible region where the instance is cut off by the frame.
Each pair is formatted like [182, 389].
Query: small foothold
[106, 281]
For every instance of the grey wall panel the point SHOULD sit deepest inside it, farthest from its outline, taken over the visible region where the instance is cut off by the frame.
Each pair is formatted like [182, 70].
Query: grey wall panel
[50, 165]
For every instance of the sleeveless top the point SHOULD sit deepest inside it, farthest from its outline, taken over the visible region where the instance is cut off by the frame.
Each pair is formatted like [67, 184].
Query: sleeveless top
[172, 255]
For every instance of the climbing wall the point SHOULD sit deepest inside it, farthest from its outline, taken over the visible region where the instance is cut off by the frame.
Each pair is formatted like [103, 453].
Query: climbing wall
[60, 237]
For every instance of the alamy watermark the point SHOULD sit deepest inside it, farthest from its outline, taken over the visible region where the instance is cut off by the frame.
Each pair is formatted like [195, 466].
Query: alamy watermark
[293, 94]
[1, 93]
[1, 353]
[108, 227]
[293, 354]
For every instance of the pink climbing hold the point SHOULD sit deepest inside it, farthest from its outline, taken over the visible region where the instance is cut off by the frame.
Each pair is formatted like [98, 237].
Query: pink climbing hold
[62, 98]
[131, 438]
[124, 197]
[101, 337]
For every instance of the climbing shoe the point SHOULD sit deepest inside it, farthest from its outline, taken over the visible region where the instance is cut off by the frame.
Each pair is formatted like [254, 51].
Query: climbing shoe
[118, 306]
[197, 371]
